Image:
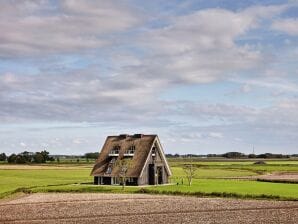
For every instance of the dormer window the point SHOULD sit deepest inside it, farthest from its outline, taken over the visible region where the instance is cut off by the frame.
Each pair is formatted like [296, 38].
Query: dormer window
[130, 151]
[115, 151]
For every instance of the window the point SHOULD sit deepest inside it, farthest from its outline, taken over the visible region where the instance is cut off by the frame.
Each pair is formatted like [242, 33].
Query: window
[153, 151]
[109, 170]
[115, 150]
[131, 150]
[115, 180]
[130, 179]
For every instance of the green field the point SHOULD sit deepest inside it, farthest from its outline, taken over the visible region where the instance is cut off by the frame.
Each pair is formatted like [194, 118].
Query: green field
[213, 178]
[13, 179]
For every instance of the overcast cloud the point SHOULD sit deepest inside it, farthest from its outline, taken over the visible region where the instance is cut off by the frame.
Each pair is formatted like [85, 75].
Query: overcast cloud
[207, 79]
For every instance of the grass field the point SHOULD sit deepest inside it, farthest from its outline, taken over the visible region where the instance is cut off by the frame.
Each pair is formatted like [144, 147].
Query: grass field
[208, 181]
[13, 179]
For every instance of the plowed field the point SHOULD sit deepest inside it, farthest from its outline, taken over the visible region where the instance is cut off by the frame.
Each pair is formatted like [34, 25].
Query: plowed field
[138, 208]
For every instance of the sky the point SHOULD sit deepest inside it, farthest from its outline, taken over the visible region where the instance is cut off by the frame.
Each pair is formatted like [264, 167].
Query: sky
[206, 76]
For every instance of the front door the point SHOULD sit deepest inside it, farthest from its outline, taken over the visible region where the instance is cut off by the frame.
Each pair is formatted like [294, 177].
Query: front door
[151, 175]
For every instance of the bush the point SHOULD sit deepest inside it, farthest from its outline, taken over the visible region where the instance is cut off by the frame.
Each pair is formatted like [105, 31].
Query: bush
[260, 163]
[3, 157]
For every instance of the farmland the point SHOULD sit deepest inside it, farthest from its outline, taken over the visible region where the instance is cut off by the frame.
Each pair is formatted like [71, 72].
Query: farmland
[142, 208]
[225, 178]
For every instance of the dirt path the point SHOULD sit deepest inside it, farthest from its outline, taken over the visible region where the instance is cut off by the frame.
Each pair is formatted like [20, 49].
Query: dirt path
[128, 208]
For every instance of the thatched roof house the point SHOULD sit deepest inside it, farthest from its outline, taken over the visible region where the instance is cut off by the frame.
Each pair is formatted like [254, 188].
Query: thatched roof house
[139, 158]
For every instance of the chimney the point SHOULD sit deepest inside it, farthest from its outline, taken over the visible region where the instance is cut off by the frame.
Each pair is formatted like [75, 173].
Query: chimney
[123, 136]
[138, 135]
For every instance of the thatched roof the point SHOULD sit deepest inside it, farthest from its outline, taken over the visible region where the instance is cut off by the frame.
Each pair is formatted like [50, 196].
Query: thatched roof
[143, 145]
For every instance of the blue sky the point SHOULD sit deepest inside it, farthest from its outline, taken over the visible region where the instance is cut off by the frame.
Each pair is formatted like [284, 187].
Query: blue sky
[206, 76]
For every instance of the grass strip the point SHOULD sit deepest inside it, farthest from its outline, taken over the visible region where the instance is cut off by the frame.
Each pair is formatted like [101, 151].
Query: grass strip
[216, 194]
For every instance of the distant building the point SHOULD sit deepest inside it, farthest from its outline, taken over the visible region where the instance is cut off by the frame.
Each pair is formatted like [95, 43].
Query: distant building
[148, 162]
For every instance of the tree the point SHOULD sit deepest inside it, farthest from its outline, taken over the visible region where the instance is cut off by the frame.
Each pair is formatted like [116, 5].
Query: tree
[190, 171]
[45, 155]
[3, 157]
[27, 157]
[12, 158]
[124, 165]
[38, 158]
[252, 156]
[20, 159]
[233, 155]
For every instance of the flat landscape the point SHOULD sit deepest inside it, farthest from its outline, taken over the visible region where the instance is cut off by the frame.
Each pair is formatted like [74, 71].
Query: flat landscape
[140, 208]
[225, 178]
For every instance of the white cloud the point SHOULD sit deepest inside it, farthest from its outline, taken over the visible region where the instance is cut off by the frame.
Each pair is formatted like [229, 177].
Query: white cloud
[196, 48]
[23, 144]
[289, 26]
[40, 27]
[269, 11]
[216, 135]
[201, 47]
[275, 84]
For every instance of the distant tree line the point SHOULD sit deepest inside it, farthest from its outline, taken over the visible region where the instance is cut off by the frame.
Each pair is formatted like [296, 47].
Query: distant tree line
[43, 156]
[169, 155]
[234, 155]
[27, 157]
[91, 155]
[240, 155]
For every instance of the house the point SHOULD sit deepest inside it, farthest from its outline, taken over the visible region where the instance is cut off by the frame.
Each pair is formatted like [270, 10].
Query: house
[148, 164]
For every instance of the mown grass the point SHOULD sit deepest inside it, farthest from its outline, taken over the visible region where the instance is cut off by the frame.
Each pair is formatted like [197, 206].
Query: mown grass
[212, 173]
[241, 187]
[254, 168]
[69, 178]
[200, 187]
[26, 178]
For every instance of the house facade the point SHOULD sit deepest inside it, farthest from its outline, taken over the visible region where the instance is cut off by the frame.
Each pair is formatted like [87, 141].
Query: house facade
[143, 153]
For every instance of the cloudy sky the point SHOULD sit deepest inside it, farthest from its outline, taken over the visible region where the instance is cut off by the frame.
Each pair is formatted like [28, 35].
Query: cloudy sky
[206, 76]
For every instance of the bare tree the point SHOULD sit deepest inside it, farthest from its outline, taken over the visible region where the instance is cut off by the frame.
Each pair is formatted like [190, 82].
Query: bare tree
[190, 171]
[124, 165]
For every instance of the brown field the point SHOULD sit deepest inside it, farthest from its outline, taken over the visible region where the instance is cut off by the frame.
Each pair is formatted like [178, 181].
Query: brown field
[129, 208]
[280, 176]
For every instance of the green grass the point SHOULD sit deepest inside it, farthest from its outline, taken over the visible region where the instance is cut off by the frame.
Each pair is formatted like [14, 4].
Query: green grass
[80, 188]
[63, 178]
[240, 187]
[273, 166]
[213, 173]
[14, 179]
[200, 187]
